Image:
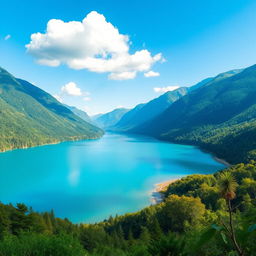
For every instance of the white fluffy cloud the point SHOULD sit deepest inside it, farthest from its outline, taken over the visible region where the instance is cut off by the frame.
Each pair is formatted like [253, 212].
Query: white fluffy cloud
[93, 44]
[165, 89]
[151, 74]
[72, 89]
[7, 37]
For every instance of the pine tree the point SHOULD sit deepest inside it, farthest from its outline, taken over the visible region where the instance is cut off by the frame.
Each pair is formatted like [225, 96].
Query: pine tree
[155, 229]
[145, 235]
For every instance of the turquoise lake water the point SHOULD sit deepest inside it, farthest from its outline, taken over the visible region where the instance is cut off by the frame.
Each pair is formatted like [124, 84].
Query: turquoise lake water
[87, 181]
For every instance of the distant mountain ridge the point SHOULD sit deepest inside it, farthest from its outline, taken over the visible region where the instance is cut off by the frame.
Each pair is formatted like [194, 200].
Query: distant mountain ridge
[110, 119]
[80, 113]
[144, 112]
[29, 116]
[220, 116]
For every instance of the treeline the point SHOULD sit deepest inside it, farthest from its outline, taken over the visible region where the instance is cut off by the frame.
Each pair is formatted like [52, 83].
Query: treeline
[33, 140]
[193, 219]
[234, 142]
[219, 116]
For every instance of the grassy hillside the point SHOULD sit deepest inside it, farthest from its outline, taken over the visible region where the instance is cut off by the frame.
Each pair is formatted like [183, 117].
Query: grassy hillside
[29, 116]
[219, 116]
[144, 112]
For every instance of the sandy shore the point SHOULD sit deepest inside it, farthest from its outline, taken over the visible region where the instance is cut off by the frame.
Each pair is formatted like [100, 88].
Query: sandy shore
[157, 196]
[163, 185]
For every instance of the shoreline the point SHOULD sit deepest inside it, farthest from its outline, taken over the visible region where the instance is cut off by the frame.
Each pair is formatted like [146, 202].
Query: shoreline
[222, 161]
[49, 144]
[156, 195]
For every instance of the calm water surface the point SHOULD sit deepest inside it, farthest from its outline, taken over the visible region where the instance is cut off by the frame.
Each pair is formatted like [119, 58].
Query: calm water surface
[88, 181]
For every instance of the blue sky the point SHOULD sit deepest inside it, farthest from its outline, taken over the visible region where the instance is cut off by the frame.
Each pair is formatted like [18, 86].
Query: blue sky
[196, 39]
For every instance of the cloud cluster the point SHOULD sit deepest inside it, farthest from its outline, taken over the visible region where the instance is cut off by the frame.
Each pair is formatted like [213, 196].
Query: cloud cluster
[165, 89]
[71, 89]
[151, 74]
[93, 44]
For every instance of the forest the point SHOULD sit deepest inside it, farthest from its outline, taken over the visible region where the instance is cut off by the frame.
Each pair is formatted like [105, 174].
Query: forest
[206, 215]
[30, 117]
[219, 117]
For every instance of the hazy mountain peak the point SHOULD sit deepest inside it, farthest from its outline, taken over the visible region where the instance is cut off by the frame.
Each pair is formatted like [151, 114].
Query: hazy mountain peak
[109, 119]
[144, 112]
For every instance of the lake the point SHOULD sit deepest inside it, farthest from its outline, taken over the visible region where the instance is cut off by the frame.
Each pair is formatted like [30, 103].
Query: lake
[87, 181]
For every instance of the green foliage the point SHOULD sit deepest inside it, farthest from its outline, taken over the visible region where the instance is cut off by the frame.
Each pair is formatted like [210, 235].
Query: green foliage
[207, 188]
[171, 245]
[179, 211]
[227, 185]
[40, 245]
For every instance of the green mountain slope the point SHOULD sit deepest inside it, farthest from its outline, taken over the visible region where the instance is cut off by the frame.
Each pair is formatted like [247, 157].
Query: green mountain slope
[144, 112]
[201, 83]
[111, 118]
[29, 116]
[210, 80]
[219, 116]
[80, 113]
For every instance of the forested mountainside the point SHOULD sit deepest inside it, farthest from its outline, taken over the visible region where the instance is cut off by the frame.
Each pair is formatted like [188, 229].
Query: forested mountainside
[219, 77]
[219, 116]
[147, 111]
[192, 220]
[144, 112]
[29, 116]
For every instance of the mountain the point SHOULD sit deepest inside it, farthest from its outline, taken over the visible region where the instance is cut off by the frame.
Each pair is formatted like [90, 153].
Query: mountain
[220, 117]
[29, 116]
[144, 112]
[128, 118]
[94, 117]
[82, 114]
[209, 80]
[201, 83]
[111, 118]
